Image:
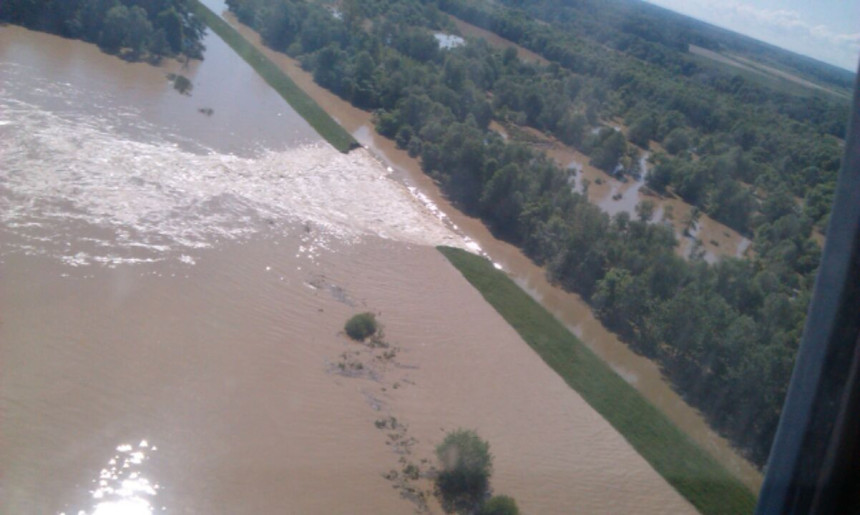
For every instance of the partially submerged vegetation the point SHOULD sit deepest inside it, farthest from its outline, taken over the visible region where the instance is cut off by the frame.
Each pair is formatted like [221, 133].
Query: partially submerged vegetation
[361, 326]
[463, 478]
[465, 465]
[181, 83]
[686, 466]
[461, 483]
[136, 29]
[500, 505]
[269, 71]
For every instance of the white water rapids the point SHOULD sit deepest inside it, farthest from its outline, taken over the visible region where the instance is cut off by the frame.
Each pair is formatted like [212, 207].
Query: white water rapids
[142, 199]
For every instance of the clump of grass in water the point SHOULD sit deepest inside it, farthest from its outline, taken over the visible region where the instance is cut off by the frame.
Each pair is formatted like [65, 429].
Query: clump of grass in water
[181, 83]
[361, 326]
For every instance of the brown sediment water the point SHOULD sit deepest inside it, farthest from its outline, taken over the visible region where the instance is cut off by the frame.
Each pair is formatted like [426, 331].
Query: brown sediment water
[171, 308]
[247, 115]
[552, 453]
[224, 370]
[643, 373]
[220, 367]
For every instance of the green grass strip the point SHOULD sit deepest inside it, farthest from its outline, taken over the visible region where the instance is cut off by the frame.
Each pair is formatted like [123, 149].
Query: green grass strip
[694, 473]
[269, 71]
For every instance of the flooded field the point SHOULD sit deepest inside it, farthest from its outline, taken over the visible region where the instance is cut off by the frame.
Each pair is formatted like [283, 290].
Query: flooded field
[173, 286]
[707, 237]
[613, 195]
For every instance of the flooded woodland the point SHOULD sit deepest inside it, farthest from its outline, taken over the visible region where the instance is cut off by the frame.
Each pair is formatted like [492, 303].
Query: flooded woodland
[175, 272]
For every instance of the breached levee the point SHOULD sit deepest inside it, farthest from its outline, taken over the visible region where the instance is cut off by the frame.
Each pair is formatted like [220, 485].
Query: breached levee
[216, 347]
[152, 197]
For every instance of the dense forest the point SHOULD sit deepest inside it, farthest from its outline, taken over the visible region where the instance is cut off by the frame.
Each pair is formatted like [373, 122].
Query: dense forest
[624, 23]
[145, 29]
[726, 334]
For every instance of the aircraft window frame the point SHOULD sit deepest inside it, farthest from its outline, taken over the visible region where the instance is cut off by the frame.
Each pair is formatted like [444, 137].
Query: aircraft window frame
[814, 464]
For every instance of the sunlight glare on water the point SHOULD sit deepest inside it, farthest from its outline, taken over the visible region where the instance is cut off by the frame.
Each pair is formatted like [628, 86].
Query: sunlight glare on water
[122, 488]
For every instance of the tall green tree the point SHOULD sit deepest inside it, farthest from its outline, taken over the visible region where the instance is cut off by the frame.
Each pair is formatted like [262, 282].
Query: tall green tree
[113, 32]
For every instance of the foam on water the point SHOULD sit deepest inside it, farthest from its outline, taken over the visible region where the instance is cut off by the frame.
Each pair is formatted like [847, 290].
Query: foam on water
[466, 242]
[99, 197]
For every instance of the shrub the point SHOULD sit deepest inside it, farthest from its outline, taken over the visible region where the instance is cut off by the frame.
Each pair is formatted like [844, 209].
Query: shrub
[500, 505]
[361, 326]
[465, 468]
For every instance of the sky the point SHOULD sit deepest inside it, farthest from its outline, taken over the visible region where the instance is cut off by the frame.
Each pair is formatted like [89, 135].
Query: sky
[827, 30]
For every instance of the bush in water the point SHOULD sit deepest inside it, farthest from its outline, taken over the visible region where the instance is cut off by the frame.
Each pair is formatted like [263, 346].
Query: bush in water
[361, 326]
[500, 505]
[465, 468]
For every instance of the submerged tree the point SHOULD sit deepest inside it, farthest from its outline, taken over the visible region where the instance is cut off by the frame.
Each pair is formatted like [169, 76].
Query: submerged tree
[361, 326]
[466, 465]
[500, 505]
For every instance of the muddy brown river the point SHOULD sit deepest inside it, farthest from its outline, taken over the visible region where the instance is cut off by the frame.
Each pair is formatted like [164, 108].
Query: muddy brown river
[173, 286]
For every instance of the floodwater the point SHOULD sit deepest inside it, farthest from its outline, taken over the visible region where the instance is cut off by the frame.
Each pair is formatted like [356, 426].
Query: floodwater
[447, 41]
[247, 115]
[707, 237]
[173, 287]
[641, 372]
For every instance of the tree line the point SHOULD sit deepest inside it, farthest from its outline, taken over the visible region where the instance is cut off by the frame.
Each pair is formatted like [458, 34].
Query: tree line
[146, 29]
[641, 66]
[726, 333]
